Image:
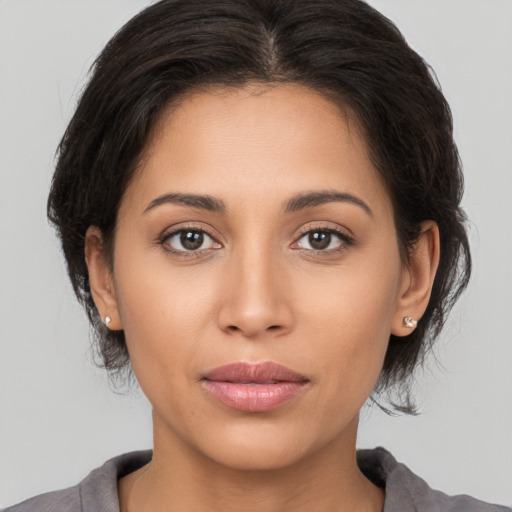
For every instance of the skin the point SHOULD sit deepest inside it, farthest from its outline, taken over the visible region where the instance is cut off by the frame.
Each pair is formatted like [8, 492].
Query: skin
[257, 291]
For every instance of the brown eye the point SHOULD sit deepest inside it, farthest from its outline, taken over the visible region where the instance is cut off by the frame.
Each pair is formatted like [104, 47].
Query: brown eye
[325, 240]
[191, 240]
[188, 240]
[319, 240]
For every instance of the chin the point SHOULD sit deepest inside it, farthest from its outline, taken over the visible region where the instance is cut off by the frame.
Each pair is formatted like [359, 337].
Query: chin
[255, 457]
[259, 448]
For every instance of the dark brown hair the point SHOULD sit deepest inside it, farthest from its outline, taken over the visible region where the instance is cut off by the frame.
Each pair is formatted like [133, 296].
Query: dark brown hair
[342, 48]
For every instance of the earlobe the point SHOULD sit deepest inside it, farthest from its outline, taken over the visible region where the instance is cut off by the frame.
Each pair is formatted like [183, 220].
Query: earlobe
[418, 280]
[100, 279]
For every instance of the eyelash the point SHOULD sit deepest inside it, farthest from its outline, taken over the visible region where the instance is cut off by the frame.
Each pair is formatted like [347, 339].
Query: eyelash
[183, 253]
[346, 241]
[344, 238]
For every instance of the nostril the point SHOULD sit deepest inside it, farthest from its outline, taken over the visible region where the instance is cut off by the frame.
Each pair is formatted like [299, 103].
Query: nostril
[234, 329]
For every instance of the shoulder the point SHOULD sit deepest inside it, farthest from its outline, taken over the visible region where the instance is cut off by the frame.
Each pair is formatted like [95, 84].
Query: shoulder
[406, 491]
[98, 491]
[66, 500]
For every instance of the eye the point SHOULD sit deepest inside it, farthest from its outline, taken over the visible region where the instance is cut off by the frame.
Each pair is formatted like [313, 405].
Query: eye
[325, 240]
[189, 240]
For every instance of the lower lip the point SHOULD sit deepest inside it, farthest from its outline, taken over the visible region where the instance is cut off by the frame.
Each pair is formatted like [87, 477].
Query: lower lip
[253, 397]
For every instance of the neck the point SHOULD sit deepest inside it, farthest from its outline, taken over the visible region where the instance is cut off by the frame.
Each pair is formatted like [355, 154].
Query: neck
[180, 478]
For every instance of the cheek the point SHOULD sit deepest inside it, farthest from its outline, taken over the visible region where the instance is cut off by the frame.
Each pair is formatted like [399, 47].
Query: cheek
[163, 312]
[351, 338]
[349, 318]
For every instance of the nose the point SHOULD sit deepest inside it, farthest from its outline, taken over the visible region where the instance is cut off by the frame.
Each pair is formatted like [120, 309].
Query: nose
[255, 297]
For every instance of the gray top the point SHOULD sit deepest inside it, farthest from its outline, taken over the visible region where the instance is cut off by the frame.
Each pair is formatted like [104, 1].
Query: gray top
[405, 492]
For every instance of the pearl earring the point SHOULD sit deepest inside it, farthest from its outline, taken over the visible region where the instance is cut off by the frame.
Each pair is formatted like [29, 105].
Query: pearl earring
[409, 322]
[107, 320]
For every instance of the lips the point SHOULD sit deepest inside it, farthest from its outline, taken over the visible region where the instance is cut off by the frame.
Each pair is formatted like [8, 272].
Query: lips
[254, 387]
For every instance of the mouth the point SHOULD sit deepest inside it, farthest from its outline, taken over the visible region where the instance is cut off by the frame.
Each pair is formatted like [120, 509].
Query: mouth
[253, 387]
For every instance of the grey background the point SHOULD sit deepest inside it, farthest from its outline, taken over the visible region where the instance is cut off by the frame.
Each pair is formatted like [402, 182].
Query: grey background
[58, 417]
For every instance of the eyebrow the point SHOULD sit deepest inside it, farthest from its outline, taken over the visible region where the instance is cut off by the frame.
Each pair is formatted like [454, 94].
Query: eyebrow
[203, 202]
[312, 199]
[296, 203]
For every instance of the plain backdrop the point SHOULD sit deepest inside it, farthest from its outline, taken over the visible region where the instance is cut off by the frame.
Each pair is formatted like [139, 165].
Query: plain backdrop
[58, 416]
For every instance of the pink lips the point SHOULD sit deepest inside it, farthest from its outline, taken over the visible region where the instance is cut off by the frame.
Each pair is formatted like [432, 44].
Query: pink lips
[253, 387]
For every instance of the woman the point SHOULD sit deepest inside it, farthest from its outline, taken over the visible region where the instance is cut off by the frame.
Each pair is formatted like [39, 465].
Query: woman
[259, 207]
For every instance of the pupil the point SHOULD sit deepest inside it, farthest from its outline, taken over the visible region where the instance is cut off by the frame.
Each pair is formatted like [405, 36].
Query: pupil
[319, 240]
[191, 240]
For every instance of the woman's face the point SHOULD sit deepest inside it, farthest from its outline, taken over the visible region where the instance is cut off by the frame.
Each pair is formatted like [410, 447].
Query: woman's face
[257, 231]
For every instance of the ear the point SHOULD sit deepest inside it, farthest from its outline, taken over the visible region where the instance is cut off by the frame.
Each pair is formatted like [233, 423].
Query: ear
[418, 279]
[100, 278]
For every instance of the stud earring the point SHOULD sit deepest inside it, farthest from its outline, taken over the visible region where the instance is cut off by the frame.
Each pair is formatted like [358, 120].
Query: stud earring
[409, 322]
[107, 320]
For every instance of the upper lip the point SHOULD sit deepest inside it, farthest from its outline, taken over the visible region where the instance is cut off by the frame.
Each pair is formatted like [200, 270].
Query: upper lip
[258, 373]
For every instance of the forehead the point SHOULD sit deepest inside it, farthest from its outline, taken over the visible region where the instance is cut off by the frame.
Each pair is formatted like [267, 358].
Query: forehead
[267, 115]
[266, 140]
